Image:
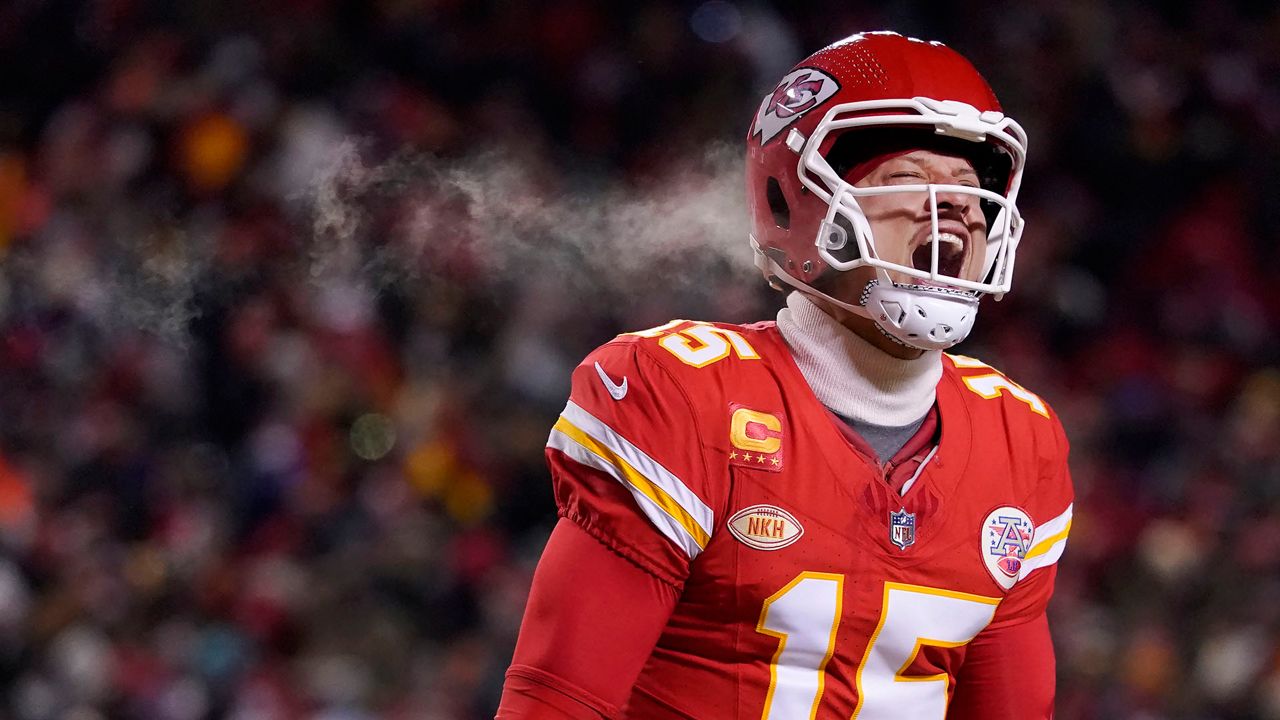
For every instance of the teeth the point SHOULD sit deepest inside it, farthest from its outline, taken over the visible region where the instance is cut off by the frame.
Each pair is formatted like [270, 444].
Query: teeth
[950, 254]
[947, 238]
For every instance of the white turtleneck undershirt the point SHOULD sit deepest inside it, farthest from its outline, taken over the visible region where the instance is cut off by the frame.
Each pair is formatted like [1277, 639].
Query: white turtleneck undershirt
[855, 379]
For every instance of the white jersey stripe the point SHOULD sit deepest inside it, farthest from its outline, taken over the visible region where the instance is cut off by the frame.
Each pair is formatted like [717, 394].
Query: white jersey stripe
[667, 525]
[1044, 559]
[1048, 543]
[663, 497]
[1050, 532]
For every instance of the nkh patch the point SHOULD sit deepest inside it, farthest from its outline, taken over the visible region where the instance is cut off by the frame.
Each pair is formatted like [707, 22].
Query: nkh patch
[1006, 538]
[756, 438]
[799, 92]
[902, 528]
[765, 527]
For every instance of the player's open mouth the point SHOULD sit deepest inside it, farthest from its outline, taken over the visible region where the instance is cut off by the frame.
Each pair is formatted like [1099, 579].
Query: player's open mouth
[950, 254]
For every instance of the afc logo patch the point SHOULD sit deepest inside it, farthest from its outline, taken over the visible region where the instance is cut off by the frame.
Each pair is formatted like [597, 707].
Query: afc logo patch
[799, 92]
[756, 438]
[1006, 536]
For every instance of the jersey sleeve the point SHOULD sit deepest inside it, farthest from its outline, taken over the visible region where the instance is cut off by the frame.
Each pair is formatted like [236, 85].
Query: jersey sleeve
[1008, 674]
[628, 464]
[1050, 508]
[561, 670]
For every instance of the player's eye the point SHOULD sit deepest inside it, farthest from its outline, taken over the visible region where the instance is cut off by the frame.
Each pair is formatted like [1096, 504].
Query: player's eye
[907, 176]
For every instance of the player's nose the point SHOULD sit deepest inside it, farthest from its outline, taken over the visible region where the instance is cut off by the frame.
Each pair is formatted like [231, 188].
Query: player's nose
[956, 205]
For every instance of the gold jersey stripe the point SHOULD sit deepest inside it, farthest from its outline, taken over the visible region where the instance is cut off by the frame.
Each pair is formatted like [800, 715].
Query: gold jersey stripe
[1043, 546]
[636, 480]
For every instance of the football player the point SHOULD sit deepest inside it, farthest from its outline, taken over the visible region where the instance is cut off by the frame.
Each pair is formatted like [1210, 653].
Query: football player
[826, 516]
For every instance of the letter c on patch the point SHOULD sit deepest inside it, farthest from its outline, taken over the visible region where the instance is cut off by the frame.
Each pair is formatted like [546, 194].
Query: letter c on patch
[742, 419]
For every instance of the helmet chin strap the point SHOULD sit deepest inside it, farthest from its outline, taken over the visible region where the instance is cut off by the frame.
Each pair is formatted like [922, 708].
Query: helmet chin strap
[924, 317]
[921, 316]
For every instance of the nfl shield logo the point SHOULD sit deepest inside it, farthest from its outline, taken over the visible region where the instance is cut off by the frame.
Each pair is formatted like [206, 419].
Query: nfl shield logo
[902, 528]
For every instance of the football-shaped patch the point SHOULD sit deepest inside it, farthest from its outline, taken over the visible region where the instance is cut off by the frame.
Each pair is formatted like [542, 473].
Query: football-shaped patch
[765, 527]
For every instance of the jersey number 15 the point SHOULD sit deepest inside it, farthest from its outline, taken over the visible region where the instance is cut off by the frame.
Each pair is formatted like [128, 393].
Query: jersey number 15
[805, 617]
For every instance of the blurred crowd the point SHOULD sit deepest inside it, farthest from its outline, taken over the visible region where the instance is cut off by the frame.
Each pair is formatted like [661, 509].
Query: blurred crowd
[271, 447]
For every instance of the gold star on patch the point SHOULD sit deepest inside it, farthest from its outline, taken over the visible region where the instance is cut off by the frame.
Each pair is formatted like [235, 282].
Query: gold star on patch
[776, 462]
[733, 454]
[760, 459]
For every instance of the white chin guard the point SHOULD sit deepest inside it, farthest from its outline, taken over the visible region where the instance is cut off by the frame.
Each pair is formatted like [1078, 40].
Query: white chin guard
[921, 316]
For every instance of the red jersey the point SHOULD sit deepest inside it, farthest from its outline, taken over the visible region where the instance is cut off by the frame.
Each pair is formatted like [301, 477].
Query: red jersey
[809, 587]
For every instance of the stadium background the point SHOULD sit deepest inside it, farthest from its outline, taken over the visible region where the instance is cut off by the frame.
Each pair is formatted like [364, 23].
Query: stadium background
[290, 293]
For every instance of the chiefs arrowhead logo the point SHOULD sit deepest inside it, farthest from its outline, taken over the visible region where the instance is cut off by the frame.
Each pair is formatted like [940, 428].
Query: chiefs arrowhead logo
[799, 92]
[796, 97]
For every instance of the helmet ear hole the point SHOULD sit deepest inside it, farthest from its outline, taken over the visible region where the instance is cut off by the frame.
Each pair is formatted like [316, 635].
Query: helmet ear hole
[778, 204]
[848, 251]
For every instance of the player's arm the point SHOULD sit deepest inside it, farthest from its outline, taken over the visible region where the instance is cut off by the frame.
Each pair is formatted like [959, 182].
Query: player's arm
[1009, 668]
[1008, 674]
[630, 480]
[592, 620]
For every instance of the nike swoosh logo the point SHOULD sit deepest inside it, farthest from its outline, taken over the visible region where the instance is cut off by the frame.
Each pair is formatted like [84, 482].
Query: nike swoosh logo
[617, 392]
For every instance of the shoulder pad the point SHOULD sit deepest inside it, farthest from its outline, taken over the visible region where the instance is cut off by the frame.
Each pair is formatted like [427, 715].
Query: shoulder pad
[695, 344]
[990, 383]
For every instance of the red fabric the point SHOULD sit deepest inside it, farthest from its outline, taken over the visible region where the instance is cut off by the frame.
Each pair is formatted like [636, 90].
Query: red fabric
[532, 694]
[652, 414]
[712, 572]
[1008, 674]
[907, 460]
[592, 620]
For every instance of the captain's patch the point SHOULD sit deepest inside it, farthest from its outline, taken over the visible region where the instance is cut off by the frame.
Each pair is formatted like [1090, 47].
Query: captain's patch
[756, 438]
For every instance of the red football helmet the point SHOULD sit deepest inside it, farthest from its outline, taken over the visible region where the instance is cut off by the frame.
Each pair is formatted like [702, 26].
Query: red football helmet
[859, 98]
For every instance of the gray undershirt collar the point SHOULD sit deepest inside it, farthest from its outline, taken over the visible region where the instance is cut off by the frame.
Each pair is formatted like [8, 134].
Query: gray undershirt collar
[885, 440]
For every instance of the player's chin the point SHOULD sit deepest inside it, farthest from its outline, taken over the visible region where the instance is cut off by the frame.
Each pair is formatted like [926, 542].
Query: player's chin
[846, 286]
